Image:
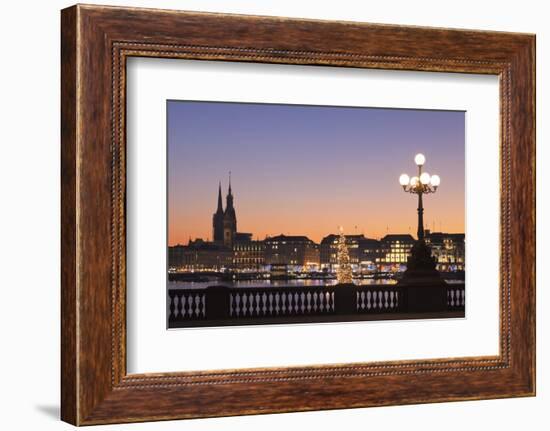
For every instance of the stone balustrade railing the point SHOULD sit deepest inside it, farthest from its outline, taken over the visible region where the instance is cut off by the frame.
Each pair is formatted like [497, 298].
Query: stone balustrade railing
[221, 305]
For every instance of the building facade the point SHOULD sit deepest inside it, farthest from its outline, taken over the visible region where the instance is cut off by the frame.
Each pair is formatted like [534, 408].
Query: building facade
[200, 256]
[248, 255]
[448, 250]
[176, 257]
[296, 251]
[394, 251]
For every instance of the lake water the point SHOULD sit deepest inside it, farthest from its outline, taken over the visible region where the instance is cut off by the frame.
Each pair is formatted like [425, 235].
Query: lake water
[268, 283]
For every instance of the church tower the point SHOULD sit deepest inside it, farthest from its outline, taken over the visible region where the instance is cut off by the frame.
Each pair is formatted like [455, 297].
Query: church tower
[217, 219]
[229, 219]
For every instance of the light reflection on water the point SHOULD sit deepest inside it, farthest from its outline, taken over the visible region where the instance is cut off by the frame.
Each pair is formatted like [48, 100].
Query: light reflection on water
[269, 283]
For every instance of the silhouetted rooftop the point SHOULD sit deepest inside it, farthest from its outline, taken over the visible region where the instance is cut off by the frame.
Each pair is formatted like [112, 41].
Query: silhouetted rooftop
[200, 245]
[295, 238]
[439, 236]
[243, 236]
[398, 237]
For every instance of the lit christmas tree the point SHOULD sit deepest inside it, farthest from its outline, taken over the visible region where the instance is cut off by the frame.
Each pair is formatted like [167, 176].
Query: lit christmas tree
[343, 273]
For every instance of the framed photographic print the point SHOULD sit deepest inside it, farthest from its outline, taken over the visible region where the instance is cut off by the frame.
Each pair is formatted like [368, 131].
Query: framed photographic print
[324, 214]
[297, 182]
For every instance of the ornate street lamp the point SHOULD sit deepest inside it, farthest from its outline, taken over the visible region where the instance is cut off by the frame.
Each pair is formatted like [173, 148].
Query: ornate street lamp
[426, 289]
[420, 185]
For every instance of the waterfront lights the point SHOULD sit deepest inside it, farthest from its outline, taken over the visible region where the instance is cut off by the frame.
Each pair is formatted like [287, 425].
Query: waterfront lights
[419, 159]
[420, 185]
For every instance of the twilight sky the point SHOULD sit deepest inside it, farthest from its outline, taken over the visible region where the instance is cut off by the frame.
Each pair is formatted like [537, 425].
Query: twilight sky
[305, 170]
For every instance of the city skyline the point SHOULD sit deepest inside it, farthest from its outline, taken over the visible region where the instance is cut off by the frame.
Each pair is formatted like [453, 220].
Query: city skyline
[305, 170]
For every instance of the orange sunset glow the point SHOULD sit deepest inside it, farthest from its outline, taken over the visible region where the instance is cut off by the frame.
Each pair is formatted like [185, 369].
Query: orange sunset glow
[303, 170]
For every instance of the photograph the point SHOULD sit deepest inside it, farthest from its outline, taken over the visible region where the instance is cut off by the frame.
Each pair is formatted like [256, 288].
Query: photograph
[284, 213]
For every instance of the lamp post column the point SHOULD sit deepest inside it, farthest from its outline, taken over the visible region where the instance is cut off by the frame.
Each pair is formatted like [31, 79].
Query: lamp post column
[420, 230]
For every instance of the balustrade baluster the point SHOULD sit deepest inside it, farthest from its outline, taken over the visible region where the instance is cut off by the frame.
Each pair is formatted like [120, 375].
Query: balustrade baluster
[237, 304]
[290, 302]
[270, 304]
[181, 305]
[277, 303]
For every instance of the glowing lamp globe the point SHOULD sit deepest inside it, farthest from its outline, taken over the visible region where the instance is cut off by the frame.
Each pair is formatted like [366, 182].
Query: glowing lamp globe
[414, 181]
[425, 178]
[435, 180]
[419, 159]
[404, 180]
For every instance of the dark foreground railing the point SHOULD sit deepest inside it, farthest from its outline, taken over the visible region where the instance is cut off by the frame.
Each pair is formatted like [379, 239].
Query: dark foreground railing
[221, 305]
[456, 297]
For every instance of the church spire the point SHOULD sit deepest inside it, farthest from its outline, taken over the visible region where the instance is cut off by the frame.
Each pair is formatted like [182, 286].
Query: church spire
[220, 204]
[229, 198]
[229, 219]
[217, 219]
